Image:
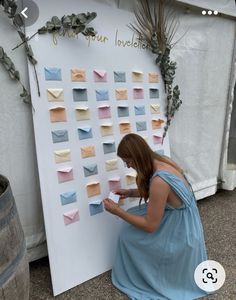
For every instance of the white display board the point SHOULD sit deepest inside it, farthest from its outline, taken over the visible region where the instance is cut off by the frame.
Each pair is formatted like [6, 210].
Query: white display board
[93, 91]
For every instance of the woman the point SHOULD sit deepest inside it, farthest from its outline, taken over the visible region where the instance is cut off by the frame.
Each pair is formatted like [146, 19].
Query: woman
[161, 241]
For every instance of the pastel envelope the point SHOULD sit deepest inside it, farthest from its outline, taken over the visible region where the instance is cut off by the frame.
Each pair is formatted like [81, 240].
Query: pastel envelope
[114, 197]
[95, 207]
[87, 151]
[125, 127]
[102, 95]
[160, 151]
[59, 136]
[90, 170]
[52, 74]
[68, 197]
[141, 126]
[137, 76]
[93, 189]
[111, 164]
[114, 183]
[85, 132]
[65, 174]
[156, 123]
[119, 76]
[123, 110]
[155, 108]
[80, 94]
[106, 129]
[138, 93]
[104, 111]
[55, 94]
[157, 139]
[57, 114]
[82, 113]
[109, 147]
[100, 75]
[153, 77]
[78, 75]
[121, 94]
[153, 93]
[71, 216]
[131, 178]
[139, 110]
[62, 155]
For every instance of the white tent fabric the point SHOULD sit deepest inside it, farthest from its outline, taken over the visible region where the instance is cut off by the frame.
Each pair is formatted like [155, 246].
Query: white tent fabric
[197, 133]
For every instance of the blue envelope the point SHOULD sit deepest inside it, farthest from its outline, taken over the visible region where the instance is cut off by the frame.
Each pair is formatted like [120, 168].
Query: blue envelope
[141, 126]
[59, 136]
[109, 147]
[153, 93]
[123, 111]
[139, 110]
[102, 95]
[90, 170]
[160, 152]
[52, 74]
[68, 197]
[119, 77]
[95, 207]
[85, 132]
[80, 94]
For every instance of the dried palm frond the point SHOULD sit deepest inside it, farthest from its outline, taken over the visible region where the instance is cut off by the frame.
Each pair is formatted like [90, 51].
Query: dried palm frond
[156, 24]
[156, 20]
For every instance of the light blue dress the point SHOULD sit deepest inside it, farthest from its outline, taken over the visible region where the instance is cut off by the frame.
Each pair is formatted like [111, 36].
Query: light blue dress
[161, 265]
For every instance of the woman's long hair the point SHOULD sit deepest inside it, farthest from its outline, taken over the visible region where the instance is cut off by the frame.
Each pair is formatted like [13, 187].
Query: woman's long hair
[133, 147]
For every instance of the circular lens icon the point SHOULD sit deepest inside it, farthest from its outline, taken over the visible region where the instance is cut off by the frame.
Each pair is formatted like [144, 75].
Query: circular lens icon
[209, 275]
[29, 11]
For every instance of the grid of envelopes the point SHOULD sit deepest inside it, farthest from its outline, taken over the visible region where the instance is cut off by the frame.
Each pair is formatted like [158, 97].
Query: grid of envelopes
[105, 108]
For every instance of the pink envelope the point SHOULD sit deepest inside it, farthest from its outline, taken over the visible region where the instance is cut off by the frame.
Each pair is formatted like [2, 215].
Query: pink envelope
[71, 216]
[157, 139]
[114, 183]
[65, 174]
[138, 93]
[100, 75]
[104, 111]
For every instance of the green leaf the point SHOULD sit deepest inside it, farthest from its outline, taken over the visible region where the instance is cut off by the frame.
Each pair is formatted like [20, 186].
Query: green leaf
[18, 20]
[42, 30]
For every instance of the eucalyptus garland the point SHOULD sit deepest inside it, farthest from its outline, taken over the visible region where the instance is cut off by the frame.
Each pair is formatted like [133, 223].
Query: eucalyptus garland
[157, 26]
[70, 25]
[13, 73]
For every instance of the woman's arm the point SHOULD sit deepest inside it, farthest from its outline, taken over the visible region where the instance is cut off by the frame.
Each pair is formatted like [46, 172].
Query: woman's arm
[159, 191]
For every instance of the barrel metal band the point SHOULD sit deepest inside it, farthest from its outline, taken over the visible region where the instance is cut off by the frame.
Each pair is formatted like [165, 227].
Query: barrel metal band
[7, 273]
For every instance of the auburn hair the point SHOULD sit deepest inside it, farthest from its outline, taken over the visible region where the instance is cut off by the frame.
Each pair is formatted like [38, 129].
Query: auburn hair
[133, 147]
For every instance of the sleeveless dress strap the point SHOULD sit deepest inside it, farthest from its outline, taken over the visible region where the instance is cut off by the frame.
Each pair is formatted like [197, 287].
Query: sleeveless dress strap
[177, 184]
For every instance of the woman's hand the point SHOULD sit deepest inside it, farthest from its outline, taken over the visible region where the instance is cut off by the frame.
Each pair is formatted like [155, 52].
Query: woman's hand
[111, 206]
[123, 193]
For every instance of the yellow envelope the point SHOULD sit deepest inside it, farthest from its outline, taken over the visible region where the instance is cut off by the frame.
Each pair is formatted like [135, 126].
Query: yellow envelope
[125, 127]
[62, 155]
[137, 76]
[131, 178]
[106, 129]
[87, 151]
[78, 75]
[82, 113]
[155, 108]
[55, 94]
[121, 94]
[111, 164]
[156, 123]
[153, 77]
[57, 114]
[93, 189]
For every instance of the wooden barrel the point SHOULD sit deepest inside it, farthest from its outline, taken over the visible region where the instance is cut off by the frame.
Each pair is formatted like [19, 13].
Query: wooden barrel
[14, 266]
